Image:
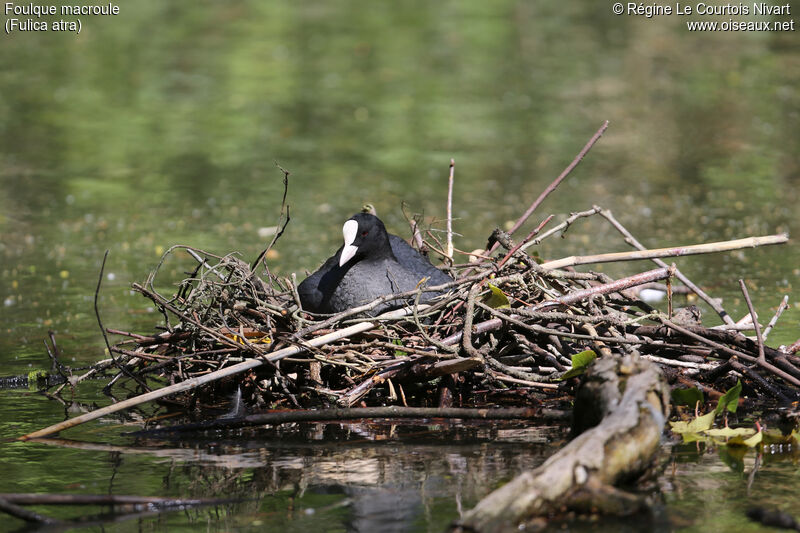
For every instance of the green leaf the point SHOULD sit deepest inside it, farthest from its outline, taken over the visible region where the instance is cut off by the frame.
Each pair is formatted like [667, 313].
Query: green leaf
[730, 400]
[399, 353]
[699, 424]
[580, 361]
[37, 379]
[497, 299]
[752, 442]
[693, 437]
[728, 433]
[583, 359]
[755, 440]
[688, 397]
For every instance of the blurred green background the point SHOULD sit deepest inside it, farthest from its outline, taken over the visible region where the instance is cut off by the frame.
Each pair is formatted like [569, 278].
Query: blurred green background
[162, 125]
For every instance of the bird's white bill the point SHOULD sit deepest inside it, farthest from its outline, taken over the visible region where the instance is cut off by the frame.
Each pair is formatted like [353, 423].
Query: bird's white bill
[349, 231]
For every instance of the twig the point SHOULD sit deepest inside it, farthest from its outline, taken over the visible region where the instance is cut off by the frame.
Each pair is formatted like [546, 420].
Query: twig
[396, 369]
[781, 308]
[712, 247]
[684, 364]
[416, 236]
[525, 382]
[97, 311]
[563, 226]
[282, 225]
[569, 299]
[711, 392]
[103, 331]
[608, 288]
[503, 318]
[669, 296]
[552, 187]
[630, 239]
[535, 231]
[468, 317]
[778, 372]
[686, 332]
[760, 382]
[166, 305]
[754, 316]
[452, 350]
[64, 371]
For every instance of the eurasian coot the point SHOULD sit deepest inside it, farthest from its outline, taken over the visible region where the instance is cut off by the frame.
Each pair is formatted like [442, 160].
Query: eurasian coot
[371, 263]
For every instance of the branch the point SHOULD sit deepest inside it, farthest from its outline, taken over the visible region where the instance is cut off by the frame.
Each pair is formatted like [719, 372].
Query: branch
[324, 415]
[552, 187]
[694, 249]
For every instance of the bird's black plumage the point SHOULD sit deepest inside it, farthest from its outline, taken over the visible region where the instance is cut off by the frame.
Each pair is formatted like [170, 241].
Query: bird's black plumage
[375, 264]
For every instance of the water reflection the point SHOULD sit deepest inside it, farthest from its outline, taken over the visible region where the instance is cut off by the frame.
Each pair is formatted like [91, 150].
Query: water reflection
[359, 477]
[714, 492]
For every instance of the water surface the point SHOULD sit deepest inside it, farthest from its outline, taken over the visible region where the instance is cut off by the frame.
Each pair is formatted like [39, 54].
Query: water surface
[162, 125]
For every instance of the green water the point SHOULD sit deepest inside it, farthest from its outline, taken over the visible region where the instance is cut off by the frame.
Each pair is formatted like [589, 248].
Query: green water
[162, 125]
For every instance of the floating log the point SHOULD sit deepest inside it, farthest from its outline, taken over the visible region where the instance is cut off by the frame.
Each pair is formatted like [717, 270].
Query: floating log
[628, 399]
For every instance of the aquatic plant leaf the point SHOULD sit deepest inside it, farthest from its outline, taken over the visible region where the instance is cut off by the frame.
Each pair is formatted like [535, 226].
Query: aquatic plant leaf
[755, 440]
[37, 379]
[693, 437]
[699, 424]
[728, 433]
[679, 426]
[752, 442]
[35, 375]
[580, 361]
[730, 400]
[688, 397]
[497, 299]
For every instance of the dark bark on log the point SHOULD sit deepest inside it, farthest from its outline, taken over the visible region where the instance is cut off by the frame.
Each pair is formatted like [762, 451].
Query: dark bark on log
[628, 399]
[325, 415]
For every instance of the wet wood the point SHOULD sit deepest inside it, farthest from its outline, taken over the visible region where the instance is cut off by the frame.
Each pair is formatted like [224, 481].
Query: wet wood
[389, 412]
[628, 400]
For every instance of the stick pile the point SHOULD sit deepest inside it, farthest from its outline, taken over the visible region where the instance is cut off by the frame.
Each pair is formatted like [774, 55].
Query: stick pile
[504, 333]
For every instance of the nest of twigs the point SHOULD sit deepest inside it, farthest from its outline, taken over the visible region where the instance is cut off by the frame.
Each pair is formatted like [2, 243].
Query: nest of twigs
[507, 331]
[504, 334]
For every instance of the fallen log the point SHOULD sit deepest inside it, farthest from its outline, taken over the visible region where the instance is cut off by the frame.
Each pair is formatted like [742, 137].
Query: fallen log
[628, 400]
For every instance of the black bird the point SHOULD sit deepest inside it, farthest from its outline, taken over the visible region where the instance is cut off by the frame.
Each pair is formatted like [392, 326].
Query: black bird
[371, 263]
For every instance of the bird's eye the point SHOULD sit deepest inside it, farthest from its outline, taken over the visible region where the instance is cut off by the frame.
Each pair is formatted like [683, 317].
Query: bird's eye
[364, 233]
